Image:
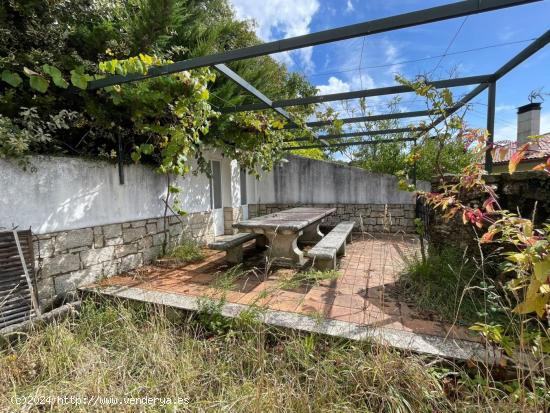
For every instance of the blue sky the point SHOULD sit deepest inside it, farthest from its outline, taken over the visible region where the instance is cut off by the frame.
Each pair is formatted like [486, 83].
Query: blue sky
[355, 64]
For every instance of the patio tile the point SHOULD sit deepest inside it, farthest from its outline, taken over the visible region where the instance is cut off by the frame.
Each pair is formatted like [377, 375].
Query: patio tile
[350, 301]
[203, 278]
[350, 315]
[309, 307]
[325, 296]
[386, 306]
[424, 326]
[285, 304]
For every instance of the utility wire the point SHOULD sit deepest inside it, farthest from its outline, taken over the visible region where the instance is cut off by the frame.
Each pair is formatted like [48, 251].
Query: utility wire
[450, 45]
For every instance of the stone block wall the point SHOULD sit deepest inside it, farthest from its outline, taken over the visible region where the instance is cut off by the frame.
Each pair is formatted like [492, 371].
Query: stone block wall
[68, 259]
[390, 218]
[520, 192]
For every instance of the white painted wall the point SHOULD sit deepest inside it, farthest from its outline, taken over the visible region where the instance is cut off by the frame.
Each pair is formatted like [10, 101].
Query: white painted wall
[309, 181]
[68, 193]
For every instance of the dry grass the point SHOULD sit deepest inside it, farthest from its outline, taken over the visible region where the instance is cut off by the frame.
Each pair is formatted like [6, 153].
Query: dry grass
[119, 349]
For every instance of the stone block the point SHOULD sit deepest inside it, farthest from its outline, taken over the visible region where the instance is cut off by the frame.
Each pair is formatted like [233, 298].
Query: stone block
[130, 262]
[43, 237]
[60, 264]
[145, 242]
[45, 290]
[175, 229]
[112, 231]
[158, 239]
[132, 234]
[79, 249]
[137, 224]
[125, 249]
[111, 268]
[150, 254]
[151, 228]
[43, 248]
[74, 239]
[114, 241]
[96, 256]
[71, 281]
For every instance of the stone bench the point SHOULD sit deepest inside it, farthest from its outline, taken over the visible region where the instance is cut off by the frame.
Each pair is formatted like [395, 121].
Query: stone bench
[232, 245]
[334, 243]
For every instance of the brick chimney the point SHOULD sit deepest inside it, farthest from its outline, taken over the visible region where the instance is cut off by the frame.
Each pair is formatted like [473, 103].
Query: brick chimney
[528, 122]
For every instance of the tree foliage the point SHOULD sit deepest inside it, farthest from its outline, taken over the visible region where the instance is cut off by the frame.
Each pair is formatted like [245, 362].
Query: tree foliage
[53, 49]
[438, 152]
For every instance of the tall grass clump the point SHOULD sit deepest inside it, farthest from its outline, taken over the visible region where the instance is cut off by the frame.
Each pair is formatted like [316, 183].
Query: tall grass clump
[120, 350]
[187, 251]
[447, 283]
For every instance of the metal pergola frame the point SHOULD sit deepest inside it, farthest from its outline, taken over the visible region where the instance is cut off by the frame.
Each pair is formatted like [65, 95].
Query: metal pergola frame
[430, 15]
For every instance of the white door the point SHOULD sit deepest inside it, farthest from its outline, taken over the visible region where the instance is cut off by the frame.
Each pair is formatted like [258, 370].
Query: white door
[216, 197]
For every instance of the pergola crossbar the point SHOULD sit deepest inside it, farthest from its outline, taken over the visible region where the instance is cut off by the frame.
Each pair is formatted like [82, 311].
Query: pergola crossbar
[361, 133]
[353, 143]
[382, 91]
[370, 118]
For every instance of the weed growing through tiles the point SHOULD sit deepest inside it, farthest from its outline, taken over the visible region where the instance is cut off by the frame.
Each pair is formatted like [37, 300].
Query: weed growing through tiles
[187, 251]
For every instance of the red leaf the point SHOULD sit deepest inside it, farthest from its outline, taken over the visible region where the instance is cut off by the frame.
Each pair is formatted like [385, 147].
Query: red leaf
[488, 236]
[517, 157]
[488, 204]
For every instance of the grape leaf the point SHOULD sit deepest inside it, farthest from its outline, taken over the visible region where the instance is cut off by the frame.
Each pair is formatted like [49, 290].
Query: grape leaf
[11, 78]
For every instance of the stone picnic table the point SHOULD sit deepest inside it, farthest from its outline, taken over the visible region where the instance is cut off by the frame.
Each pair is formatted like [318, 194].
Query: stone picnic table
[283, 229]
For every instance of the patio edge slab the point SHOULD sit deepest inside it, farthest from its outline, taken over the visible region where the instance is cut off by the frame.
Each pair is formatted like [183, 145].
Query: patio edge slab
[402, 340]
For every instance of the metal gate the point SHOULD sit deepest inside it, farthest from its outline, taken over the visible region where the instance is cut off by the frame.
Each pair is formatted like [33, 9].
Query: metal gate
[423, 213]
[18, 301]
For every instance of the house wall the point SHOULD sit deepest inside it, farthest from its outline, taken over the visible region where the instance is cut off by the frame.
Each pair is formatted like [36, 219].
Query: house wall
[87, 225]
[68, 193]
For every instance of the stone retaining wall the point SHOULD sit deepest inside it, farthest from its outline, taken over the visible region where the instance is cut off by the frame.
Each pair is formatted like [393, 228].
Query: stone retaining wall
[520, 193]
[390, 218]
[68, 259]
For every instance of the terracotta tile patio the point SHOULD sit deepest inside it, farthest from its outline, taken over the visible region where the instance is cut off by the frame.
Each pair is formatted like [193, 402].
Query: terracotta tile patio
[360, 294]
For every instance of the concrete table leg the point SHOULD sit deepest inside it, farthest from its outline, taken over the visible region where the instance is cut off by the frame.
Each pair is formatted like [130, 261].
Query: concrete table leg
[312, 234]
[283, 248]
[261, 242]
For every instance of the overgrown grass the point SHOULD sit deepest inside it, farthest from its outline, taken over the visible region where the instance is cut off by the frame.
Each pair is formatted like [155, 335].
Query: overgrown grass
[188, 251]
[449, 284]
[310, 277]
[122, 350]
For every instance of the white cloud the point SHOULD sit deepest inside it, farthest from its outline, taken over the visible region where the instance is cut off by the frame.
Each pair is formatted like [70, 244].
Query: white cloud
[504, 108]
[545, 123]
[335, 85]
[349, 7]
[506, 131]
[277, 19]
